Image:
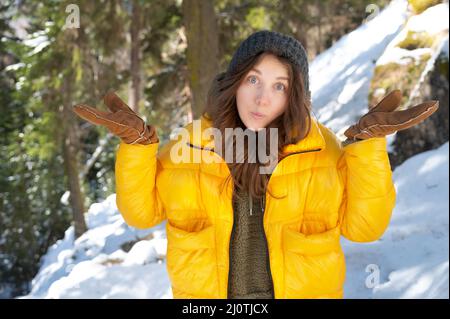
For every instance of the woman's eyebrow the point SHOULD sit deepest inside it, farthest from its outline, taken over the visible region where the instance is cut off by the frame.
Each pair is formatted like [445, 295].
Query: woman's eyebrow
[278, 78]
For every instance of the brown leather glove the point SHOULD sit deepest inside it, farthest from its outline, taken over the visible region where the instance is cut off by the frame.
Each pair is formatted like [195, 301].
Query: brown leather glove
[123, 122]
[383, 120]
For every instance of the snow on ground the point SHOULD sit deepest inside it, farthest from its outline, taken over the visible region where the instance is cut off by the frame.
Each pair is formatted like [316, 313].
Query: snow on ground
[96, 265]
[412, 255]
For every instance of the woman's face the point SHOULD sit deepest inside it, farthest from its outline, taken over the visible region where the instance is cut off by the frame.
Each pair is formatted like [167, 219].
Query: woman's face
[262, 96]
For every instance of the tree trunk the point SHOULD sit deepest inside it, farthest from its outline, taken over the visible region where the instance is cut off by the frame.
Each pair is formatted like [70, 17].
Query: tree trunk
[135, 57]
[321, 9]
[70, 158]
[202, 51]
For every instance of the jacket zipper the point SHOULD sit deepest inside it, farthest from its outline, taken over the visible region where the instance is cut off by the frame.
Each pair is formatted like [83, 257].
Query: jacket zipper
[264, 232]
[229, 249]
[269, 271]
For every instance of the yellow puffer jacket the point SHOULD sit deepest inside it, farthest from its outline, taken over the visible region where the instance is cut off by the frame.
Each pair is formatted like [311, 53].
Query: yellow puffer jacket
[328, 190]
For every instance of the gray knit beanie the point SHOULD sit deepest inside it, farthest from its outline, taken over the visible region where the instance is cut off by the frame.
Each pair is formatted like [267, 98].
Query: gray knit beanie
[277, 43]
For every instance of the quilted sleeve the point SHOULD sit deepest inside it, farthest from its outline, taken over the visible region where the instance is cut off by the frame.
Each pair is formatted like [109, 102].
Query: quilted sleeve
[136, 170]
[369, 195]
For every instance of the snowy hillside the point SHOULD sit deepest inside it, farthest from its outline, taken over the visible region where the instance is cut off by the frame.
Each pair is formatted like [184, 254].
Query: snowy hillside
[410, 260]
[340, 76]
[96, 265]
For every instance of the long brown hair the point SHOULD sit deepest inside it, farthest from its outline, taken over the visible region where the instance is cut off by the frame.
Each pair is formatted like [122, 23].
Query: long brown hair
[293, 125]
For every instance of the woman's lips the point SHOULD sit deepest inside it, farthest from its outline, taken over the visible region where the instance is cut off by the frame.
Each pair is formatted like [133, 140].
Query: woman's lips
[257, 115]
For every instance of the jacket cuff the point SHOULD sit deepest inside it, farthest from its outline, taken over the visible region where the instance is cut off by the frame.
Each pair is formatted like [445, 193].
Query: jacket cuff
[138, 149]
[367, 146]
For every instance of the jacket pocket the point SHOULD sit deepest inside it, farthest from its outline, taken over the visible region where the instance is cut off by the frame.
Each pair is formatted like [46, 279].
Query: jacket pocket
[191, 261]
[314, 264]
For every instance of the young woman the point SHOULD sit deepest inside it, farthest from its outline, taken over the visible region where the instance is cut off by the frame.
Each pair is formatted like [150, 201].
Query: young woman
[234, 232]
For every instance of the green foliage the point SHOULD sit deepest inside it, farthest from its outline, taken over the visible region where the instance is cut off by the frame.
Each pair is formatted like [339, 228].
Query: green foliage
[393, 76]
[442, 64]
[33, 176]
[258, 18]
[415, 40]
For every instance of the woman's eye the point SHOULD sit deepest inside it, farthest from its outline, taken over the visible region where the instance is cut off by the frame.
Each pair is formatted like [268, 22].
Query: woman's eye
[250, 79]
[253, 79]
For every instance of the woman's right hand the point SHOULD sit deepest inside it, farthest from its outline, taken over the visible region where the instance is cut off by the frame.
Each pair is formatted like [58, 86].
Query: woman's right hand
[122, 122]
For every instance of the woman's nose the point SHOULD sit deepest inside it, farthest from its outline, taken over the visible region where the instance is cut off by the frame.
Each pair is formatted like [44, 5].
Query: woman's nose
[263, 97]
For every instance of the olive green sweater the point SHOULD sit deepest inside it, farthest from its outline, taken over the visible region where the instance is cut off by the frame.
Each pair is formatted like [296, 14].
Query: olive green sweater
[249, 276]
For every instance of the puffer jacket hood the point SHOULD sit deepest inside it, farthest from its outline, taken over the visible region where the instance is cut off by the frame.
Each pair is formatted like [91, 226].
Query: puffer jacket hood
[323, 191]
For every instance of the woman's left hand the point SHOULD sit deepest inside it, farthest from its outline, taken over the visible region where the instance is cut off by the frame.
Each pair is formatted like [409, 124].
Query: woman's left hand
[383, 120]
